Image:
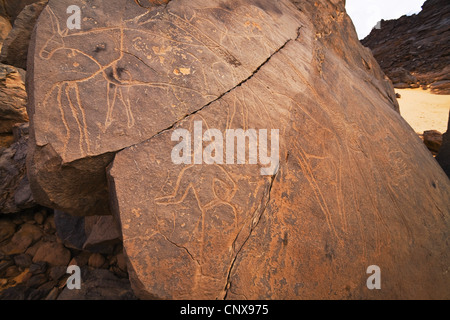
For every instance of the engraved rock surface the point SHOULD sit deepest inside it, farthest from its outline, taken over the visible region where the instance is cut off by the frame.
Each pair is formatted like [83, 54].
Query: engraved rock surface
[354, 187]
[129, 74]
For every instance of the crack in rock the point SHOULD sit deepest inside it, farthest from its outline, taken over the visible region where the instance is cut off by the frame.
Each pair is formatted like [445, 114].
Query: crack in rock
[180, 247]
[228, 91]
[152, 3]
[254, 223]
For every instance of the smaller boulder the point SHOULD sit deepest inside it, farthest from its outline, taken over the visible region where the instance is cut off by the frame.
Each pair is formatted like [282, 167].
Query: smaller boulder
[12, 8]
[104, 234]
[7, 229]
[55, 254]
[433, 140]
[99, 284]
[23, 260]
[15, 47]
[443, 158]
[15, 191]
[24, 238]
[96, 260]
[402, 78]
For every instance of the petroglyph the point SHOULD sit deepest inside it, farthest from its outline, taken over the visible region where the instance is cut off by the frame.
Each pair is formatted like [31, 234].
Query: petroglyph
[353, 186]
[131, 68]
[129, 74]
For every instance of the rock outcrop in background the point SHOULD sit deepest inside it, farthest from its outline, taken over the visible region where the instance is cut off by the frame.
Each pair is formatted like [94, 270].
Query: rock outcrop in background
[414, 50]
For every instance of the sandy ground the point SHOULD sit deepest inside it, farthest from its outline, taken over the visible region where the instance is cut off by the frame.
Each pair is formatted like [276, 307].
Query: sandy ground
[423, 110]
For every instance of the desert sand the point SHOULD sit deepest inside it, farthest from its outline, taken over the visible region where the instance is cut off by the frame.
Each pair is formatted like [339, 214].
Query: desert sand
[423, 110]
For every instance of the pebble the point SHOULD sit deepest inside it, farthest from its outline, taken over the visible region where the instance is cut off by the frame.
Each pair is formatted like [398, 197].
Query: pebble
[26, 236]
[36, 280]
[38, 267]
[39, 217]
[121, 262]
[96, 260]
[49, 225]
[57, 272]
[23, 260]
[7, 229]
[4, 265]
[53, 294]
[12, 272]
[81, 259]
[53, 253]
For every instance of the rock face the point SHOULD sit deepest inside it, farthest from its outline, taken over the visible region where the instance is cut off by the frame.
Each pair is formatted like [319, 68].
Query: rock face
[15, 46]
[418, 44]
[342, 184]
[13, 97]
[93, 104]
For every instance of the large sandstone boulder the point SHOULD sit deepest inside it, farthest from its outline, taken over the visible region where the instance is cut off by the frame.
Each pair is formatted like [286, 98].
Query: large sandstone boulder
[342, 184]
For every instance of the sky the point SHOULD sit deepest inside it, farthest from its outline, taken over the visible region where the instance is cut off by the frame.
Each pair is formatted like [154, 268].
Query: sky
[366, 13]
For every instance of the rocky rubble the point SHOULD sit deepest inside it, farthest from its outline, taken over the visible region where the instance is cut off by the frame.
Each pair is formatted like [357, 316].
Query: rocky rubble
[34, 261]
[416, 48]
[15, 192]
